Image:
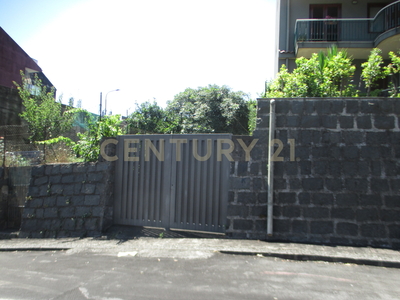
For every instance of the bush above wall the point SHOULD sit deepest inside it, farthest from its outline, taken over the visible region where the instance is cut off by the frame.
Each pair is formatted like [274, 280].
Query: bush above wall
[332, 75]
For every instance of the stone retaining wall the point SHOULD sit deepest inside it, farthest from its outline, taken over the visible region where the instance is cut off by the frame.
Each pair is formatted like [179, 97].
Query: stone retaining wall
[69, 200]
[341, 187]
[336, 181]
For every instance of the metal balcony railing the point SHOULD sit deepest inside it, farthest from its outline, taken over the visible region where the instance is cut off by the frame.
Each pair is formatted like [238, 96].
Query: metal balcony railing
[348, 30]
[387, 18]
[314, 30]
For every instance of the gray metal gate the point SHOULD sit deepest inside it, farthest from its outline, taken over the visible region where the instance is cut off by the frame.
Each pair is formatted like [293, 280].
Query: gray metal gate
[173, 181]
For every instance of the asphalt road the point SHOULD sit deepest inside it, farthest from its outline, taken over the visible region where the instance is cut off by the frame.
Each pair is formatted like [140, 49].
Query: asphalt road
[111, 276]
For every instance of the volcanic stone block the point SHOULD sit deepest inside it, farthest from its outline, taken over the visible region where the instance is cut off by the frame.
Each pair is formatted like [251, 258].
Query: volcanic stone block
[346, 122]
[316, 212]
[242, 224]
[347, 229]
[384, 122]
[282, 225]
[312, 184]
[321, 227]
[346, 200]
[346, 213]
[373, 230]
[364, 122]
[286, 198]
[300, 227]
[392, 201]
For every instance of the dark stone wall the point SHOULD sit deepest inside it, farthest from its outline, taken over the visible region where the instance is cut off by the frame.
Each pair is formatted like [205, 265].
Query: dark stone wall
[336, 179]
[341, 187]
[10, 106]
[3, 199]
[67, 200]
[247, 201]
[14, 182]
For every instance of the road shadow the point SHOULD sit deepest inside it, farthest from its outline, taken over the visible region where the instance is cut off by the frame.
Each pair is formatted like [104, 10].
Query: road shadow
[124, 233]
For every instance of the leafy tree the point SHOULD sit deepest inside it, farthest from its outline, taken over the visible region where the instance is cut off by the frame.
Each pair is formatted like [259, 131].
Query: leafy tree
[392, 70]
[372, 69]
[88, 147]
[322, 75]
[338, 74]
[210, 109]
[147, 118]
[46, 118]
[252, 105]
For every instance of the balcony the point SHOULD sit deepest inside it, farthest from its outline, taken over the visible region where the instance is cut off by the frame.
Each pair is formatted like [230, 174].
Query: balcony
[358, 36]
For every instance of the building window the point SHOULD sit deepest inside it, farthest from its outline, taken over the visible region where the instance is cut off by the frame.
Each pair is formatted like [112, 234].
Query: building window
[325, 11]
[326, 30]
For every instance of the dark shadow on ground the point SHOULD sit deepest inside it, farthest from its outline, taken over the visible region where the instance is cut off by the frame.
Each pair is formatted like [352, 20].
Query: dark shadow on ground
[124, 233]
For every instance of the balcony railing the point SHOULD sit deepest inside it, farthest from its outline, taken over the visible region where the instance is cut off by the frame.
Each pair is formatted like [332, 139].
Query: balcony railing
[315, 30]
[348, 30]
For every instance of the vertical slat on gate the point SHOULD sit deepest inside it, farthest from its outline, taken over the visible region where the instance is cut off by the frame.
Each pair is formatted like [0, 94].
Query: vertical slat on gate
[129, 164]
[177, 215]
[118, 181]
[157, 186]
[141, 184]
[186, 182]
[135, 186]
[167, 201]
[203, 178]
[210, 184]
[152, 185]
[146, 189]
[177, 203]
[223, 195]
[196, 179]
[216, 213]
[172, 193]
[192, 179]
[157, 194]
[124, 191]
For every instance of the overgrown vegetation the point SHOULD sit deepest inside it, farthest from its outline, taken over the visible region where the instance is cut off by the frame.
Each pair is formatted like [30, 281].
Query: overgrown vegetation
[45, 116]
[392, 70]
[323, 75]
[332, 75]
[48, 120]
[211, 109]
[88, 147]
[148, 118]
[372, 69]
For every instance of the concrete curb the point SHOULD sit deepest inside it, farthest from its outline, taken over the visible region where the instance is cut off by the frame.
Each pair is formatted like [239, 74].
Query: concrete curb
[312, 257]
[289, 256]
[151, 243]
[9, 235]
[33, 249]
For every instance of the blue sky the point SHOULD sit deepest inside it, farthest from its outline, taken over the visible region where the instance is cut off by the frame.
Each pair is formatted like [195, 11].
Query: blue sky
[151, 49]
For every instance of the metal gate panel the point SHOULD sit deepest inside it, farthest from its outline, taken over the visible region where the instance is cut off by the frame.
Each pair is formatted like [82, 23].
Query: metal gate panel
[142, 188]
[200, 188]
[183, 188]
